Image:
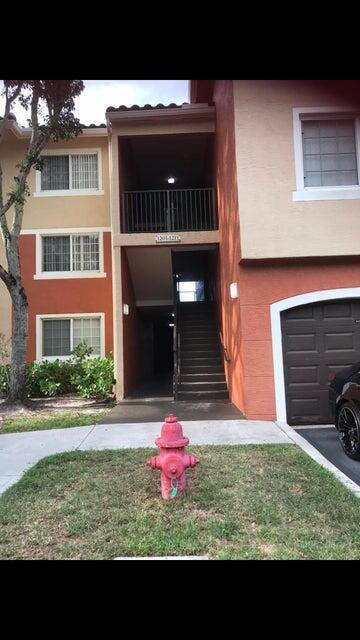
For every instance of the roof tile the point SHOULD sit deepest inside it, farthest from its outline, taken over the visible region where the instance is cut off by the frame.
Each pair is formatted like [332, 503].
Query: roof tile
[146, 107]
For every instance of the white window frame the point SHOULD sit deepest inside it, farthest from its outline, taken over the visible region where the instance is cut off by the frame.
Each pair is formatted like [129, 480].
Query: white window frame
[60, 275]
[67, 316]
[345, 192]
[69, 192]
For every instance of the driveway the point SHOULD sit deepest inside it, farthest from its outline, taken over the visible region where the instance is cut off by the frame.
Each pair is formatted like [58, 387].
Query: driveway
[325, 439]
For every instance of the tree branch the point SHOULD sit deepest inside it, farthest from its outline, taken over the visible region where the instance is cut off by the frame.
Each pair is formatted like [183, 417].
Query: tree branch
[5, 277]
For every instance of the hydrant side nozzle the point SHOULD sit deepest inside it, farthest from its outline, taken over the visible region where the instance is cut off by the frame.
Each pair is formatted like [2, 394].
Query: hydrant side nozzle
[192, 461]
[152, 462]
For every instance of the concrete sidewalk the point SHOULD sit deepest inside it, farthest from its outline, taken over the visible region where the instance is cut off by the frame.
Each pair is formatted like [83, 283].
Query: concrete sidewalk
[20, 451]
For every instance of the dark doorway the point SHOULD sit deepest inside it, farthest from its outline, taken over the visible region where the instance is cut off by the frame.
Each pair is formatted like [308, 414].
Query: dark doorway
[156, 352]
[193, 274]
[163, 345]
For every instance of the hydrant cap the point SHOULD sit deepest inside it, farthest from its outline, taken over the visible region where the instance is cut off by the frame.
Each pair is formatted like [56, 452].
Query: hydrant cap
[172, 434]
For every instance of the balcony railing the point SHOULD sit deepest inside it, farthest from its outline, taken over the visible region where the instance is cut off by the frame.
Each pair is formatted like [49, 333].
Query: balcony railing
[168, 210]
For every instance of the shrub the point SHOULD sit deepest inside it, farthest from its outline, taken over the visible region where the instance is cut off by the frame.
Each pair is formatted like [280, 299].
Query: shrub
[4, 379]
[93, 378]
[48, 378]
[4, 365]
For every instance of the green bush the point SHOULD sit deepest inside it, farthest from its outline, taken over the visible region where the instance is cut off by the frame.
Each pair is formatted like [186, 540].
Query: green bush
[90, 377]
[49, 378]
[4, 365]
[93, 378]
[4, 379]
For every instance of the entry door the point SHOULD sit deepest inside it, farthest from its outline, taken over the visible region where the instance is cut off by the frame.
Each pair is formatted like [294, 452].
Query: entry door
[318, 340]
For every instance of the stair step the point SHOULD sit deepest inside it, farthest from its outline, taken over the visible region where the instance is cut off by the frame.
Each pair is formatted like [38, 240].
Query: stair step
[191, 346]
[196, 362]
[197, 327]
[209, 396]
[200, 333]
[199, 340]
[200, 353]
[202, 377]
[192, 369]
[202, 386]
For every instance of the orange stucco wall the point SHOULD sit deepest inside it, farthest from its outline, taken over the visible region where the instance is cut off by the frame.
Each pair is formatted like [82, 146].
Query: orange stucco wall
[229, 246]
[260, 286]
[78, 295]
[130, 329]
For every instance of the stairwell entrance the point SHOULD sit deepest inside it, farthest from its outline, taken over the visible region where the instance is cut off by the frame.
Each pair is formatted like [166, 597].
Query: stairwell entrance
[174, 330]
[198, 359]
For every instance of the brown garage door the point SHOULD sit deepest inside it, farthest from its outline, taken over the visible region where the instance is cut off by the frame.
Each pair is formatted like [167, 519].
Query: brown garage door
[318, 339]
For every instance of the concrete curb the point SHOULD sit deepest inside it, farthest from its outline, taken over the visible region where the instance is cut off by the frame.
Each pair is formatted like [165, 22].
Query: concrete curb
[319, 458]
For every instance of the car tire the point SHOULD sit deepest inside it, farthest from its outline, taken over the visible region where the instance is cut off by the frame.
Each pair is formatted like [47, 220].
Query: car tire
[348, 426]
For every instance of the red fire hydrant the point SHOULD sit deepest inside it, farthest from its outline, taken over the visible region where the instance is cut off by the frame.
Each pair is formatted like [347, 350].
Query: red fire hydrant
[172, 460]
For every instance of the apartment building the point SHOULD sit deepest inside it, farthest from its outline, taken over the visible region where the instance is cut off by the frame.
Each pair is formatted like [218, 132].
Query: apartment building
[211, 246]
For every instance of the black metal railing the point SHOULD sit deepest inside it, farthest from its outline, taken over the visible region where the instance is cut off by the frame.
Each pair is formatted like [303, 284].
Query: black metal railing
[168, 210]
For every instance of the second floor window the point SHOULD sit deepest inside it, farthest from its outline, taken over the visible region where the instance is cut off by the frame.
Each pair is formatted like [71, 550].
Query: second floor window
[75, 171]
[329, 152]
[70, 253]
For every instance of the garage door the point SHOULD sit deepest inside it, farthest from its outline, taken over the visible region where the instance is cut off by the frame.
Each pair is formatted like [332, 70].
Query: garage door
[318, 339]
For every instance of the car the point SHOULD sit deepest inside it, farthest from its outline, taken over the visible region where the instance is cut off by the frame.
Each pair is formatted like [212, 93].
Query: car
[344, 400]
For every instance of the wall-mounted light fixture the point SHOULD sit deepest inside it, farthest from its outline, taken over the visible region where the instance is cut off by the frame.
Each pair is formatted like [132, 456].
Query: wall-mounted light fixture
[171, 180]
[233, 290]
[125, 309]
[171, 324]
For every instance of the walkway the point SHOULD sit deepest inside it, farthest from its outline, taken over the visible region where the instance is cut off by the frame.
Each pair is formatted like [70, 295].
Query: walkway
[20, 451]
[155, 409]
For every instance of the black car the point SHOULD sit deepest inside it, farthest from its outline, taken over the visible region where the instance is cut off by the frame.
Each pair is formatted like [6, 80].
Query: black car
[344, 398]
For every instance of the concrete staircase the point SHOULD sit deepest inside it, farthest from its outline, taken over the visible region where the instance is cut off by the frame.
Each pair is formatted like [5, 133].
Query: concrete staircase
[202, 375]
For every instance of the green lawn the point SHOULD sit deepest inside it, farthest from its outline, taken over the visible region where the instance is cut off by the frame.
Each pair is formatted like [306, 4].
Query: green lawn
[262, 502]
[58, 420]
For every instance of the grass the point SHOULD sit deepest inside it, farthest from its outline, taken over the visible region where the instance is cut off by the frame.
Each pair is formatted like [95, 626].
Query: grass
[249, 502]
[58, 420]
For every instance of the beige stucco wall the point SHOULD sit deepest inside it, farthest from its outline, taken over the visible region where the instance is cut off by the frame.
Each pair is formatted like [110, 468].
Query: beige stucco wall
[271, 224]
[60, 211]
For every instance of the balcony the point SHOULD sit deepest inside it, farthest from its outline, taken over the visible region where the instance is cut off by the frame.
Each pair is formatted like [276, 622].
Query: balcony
[155, 211]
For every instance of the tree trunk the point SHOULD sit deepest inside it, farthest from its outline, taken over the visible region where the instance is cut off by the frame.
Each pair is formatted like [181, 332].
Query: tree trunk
[18, 345]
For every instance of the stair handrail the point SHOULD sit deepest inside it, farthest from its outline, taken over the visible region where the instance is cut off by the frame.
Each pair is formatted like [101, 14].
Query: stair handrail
[225, 351]
[176, 350]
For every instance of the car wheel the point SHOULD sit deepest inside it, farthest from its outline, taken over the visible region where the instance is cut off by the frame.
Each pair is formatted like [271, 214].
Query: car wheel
[348, 426]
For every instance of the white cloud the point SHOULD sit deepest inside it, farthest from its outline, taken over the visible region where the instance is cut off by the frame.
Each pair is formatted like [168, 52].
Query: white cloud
[99, 94]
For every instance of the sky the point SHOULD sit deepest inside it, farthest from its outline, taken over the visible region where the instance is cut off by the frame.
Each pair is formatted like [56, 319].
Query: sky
[99, 94]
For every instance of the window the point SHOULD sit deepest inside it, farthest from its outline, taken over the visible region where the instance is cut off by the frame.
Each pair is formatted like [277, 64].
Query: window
[70, 253]
[87, 330]
[57, 337]
[329, 150]
[69, 173]
[191, 291]
[55, 173]
[327, 147]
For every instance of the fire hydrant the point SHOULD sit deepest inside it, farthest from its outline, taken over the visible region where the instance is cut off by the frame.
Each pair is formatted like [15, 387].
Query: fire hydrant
[172, 460]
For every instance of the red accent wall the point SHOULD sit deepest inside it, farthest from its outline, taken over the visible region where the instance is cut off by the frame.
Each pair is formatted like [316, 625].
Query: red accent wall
[78, 295]
[229, 231]
[130, 329]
